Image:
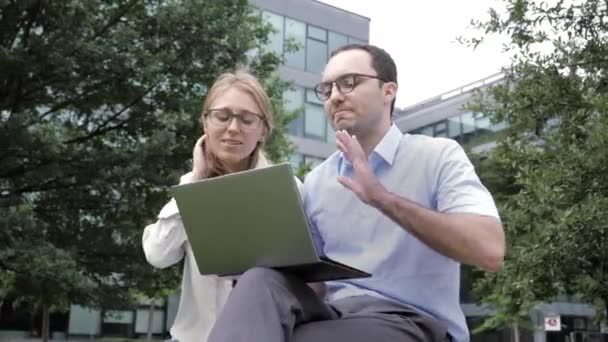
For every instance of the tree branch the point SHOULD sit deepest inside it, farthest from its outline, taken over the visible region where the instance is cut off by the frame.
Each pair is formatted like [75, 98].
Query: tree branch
[70, 101]
[103, 129]
[32, 14]
[114, 20]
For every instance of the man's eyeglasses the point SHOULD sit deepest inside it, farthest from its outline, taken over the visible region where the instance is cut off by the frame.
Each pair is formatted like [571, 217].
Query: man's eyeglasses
[345, 84]
[222, 117]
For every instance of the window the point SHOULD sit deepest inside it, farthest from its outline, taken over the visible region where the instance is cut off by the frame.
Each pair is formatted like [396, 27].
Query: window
[454, 127]
[317, 33]
[316, 49]
[499, 126]
[485, 125]
[353, 40]
[335, 40]
[331, 134]
[295, 32]
[314, 121]
[481, 121]
[313, 161]
[296, 161]
[275, 39]
[468, 123]
[427, 130]
[441, 129]
[293, 99]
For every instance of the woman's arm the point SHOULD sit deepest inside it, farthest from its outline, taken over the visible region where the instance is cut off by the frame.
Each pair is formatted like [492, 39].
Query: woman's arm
[164, 241]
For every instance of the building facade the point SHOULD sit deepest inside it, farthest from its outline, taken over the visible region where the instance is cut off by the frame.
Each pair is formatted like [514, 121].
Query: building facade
[446, 115]
[318, 29]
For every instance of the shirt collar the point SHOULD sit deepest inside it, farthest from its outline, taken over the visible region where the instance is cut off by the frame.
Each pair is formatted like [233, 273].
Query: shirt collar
[262, 161]
[387, 147]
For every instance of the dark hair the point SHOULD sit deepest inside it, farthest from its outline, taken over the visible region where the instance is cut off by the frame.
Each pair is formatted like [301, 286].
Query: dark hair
[382, 62]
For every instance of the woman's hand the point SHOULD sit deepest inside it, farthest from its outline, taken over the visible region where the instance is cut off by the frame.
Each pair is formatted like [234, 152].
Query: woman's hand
[198, 159]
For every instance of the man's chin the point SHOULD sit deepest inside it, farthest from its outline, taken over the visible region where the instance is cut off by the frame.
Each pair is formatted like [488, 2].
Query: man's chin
[343, 124]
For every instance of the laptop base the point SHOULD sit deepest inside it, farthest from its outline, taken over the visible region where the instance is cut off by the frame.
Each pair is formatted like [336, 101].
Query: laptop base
[324, 270]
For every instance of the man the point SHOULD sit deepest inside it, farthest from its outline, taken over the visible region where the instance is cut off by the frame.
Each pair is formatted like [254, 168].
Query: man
[406, 208]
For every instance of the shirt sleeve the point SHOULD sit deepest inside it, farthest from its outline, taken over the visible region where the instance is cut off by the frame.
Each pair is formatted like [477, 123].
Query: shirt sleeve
[459, 189]
[164, 241]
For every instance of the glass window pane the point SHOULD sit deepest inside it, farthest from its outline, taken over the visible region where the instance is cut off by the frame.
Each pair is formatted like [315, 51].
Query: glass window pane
[314, 121]
[482, 124]
[313, 161]
[336, 40]
[468, 123]
[454, 127]
[293, 99]
[499, 126]
[427, 130]
[317, 33]
[440, 129]
[296, 161]
[295, 127]
[331, 134]
[352, 40]
[295, 32]
[316, 56]
[275, 39]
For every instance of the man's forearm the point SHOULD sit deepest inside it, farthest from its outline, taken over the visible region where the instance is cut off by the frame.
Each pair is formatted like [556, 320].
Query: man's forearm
[468, 238]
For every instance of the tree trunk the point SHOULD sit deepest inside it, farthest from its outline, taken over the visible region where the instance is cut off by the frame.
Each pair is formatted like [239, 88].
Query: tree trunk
[515, 332]
[150, 320]
[33, 323]
[606, 319]
[45, 323]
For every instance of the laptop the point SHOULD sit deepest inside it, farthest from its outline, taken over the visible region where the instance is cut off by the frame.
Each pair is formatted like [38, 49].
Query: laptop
[253, 218]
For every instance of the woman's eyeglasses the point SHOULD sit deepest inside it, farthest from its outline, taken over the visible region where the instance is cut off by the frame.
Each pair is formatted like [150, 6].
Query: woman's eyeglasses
[222, 117]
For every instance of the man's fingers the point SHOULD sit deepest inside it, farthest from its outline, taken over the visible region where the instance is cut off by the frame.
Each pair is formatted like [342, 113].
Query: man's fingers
[344, 137]
[341, 147]
[347, 182]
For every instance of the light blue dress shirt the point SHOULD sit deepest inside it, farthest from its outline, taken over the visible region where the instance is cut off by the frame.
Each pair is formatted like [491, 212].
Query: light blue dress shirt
[433, 172]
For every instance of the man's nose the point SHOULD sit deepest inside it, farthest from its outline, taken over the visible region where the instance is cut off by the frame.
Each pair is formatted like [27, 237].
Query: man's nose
[335, 95]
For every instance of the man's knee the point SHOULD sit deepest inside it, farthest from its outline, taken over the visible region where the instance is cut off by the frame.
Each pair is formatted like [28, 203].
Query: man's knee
[259, 275]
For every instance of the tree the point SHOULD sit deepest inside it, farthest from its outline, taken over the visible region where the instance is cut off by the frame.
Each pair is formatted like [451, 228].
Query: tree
[555, 100]
[99, 108]
[506, 293]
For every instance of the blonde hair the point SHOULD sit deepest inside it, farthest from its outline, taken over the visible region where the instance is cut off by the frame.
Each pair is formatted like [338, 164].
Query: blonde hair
[249, 84]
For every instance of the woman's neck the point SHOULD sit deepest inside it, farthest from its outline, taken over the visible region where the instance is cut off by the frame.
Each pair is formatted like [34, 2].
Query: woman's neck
[242, 165]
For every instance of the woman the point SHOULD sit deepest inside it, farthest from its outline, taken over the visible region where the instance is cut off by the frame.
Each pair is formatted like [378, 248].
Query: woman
[237, 120]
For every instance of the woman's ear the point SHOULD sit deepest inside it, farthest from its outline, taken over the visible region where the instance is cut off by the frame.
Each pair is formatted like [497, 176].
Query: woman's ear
[264, 135]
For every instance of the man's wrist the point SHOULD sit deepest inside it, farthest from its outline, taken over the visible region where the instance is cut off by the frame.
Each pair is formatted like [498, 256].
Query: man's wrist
[379, 196]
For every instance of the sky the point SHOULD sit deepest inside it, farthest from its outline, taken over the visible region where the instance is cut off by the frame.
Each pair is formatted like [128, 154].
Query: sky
[421, 37]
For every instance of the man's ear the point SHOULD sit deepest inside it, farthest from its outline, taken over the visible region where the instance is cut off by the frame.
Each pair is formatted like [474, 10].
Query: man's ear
[390, 91]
